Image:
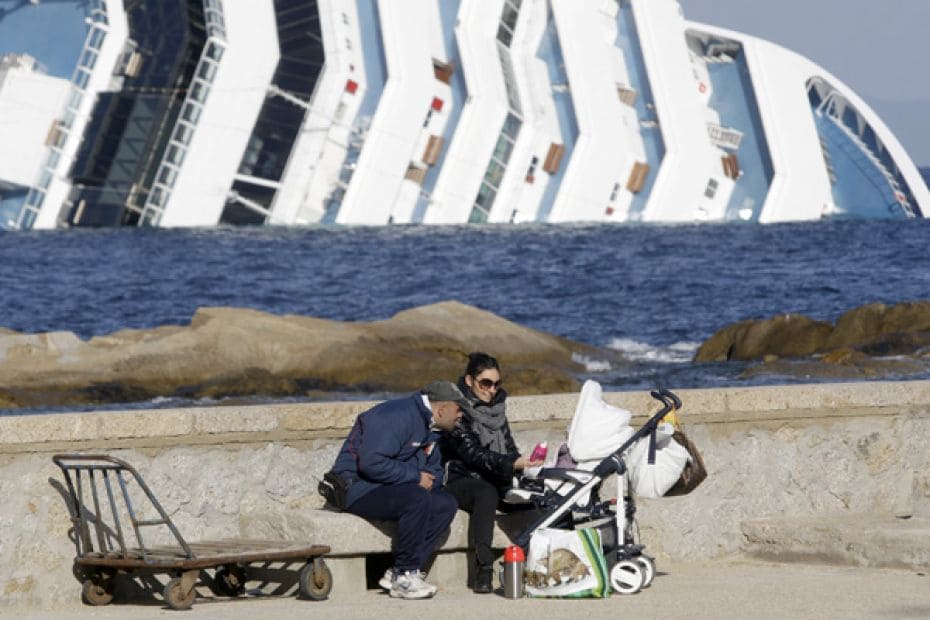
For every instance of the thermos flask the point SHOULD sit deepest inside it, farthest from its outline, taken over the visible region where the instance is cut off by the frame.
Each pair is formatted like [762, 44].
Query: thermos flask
[514, 562]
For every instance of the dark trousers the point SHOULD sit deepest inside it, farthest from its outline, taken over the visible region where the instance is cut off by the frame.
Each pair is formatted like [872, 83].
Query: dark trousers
[422, 517]
[479, 498]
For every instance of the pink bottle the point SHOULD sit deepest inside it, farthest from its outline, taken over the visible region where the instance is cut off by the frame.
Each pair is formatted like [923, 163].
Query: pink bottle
[539, 452]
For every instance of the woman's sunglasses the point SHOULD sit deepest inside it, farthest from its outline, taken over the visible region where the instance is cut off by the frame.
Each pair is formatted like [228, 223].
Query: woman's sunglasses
[487, 384]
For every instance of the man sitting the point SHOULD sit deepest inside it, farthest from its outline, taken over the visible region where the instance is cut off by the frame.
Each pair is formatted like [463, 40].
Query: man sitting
[391, 465]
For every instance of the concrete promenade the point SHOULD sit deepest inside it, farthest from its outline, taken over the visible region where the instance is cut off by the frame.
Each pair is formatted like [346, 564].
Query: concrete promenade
[834, 474]
[734, 589]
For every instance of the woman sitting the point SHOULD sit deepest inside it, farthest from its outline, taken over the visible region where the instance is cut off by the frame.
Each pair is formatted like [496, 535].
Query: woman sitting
[480, 459]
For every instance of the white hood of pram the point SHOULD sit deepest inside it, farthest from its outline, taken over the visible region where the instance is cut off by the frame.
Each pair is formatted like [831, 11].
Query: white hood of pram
[597, 429]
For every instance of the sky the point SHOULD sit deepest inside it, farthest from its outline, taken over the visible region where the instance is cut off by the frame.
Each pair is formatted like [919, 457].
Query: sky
[51, 31]
[880, 48]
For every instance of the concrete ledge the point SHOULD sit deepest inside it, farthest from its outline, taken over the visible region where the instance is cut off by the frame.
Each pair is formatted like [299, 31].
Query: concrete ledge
[856, 540]
[299, 423]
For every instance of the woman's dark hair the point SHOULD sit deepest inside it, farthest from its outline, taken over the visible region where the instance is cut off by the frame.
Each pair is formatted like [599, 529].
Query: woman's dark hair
[478, 362]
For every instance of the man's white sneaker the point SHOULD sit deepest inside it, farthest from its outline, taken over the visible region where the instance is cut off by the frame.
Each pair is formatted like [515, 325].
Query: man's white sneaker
[411, 585]
[387, 579]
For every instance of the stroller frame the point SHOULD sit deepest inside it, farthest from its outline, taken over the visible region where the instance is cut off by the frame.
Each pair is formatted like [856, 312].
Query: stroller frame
[629, 568]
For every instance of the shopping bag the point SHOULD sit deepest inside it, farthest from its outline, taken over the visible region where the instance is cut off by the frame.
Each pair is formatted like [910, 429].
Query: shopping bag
[566, 564]
[670, 458]
[694, 471]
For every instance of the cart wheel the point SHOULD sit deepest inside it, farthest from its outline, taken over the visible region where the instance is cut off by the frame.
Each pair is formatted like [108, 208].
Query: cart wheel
[229, 581]
[316, 581]
[649, 569]
[95, 594]
[626, 577]
[175, 596]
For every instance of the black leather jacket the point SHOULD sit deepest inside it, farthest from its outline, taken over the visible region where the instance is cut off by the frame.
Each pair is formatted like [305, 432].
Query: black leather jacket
[463, 454]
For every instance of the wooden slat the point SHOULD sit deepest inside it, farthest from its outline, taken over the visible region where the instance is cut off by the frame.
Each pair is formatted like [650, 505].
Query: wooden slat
[209, 554]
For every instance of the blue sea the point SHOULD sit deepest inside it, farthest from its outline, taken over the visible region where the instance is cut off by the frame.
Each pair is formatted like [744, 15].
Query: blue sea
[654, 293]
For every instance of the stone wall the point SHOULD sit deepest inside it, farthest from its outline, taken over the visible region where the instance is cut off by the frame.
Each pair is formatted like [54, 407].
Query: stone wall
[794, 451]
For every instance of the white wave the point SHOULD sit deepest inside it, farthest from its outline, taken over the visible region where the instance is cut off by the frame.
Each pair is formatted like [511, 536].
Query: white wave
[676, 353]
[591, 365]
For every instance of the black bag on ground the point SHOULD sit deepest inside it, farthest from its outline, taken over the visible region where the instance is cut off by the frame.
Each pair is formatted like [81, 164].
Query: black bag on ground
[694, 472]
[334, 487]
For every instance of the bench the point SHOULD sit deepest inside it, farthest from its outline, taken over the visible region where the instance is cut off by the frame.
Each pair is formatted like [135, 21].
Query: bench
[360, 549]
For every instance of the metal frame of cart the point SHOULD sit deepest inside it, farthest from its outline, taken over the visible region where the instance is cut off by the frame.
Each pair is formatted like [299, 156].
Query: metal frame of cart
[98, 488]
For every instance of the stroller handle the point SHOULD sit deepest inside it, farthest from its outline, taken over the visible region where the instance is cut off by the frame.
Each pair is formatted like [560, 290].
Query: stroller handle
[667, 397]
[614, 462]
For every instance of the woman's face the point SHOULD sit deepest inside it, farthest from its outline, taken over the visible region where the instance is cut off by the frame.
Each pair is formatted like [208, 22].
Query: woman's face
[485, 384]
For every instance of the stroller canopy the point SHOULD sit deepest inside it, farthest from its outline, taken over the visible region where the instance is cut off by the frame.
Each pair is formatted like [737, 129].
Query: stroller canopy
[597, 429]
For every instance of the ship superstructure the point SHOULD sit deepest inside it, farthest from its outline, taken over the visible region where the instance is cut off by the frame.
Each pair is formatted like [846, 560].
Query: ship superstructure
[207, 112]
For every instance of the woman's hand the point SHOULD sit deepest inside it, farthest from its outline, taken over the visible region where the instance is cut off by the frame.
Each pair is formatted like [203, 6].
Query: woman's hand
[524, 462]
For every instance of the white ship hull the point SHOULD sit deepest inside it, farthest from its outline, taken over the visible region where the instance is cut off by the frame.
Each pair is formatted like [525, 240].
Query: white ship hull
[371, 112]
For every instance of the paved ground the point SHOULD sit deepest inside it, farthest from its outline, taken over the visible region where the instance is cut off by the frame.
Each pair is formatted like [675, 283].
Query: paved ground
[738, 589]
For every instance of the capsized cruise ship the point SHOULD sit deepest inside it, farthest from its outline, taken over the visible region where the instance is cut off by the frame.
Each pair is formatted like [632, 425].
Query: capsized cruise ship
[206, 112]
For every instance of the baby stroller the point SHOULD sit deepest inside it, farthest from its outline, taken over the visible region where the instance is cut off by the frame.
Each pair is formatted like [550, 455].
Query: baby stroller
[570, 498]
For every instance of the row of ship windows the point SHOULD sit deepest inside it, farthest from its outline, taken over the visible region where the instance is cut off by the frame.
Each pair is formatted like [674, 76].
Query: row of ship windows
[508, 21]
[216, 27]
[496, 169]
[183, 133]
[59, 131]
[494, 174]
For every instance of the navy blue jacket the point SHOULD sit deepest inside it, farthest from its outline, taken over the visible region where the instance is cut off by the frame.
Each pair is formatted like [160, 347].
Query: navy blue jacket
[391, 443]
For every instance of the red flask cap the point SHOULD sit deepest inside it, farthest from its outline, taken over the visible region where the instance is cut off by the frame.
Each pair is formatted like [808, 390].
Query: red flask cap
[514, 553]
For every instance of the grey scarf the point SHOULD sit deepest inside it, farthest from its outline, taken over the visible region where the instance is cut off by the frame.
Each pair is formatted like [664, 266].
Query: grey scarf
[488, 420]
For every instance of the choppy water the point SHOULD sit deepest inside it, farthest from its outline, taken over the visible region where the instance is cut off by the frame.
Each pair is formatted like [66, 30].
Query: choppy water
[652, 292]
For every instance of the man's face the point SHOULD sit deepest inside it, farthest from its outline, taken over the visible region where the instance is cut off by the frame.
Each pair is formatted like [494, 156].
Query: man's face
[446, 415]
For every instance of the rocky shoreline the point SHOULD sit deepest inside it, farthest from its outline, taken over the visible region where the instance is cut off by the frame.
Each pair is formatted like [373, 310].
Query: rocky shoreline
[230, 352]
[874, 340]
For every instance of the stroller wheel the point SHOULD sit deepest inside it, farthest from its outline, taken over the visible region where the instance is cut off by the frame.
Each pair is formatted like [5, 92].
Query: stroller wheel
[626, 577]
[649, 569]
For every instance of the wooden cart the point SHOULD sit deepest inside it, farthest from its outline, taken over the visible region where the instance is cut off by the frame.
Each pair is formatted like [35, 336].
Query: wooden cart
[101, 501]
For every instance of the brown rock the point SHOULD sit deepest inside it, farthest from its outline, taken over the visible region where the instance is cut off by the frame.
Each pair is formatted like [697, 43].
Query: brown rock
[243, 352]
[897, 343]
[874, 322]
[133, 336]
[855, 366]
[867, 342]
[842, 356]
[719, 347]
[8, 401]
[857, 326]
[787, 335]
